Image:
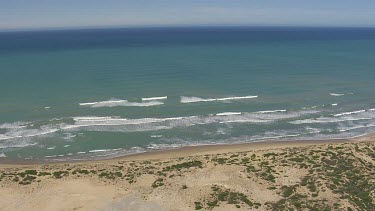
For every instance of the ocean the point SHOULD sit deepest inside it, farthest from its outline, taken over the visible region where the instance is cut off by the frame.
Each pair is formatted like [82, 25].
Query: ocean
[100, 93]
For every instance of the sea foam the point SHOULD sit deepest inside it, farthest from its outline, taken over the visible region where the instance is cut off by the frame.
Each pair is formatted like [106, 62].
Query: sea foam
[116, 102]
[340, 94]
[228, 113]
[185, 99]
[271, 111]
[119, 124]
[349, 113]
[154, 98]
[341, 117]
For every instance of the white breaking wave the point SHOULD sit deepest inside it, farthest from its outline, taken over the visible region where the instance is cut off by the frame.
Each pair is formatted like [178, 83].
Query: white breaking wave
[2, 155]
[228, 113]
[4, 137]
[118, 124]
[15, 125]
[340, 94]
[154, 98]
[185, 99]
[147, 124]
[344, 129]
[342, 117]
[244, 121]
[271, 111]
[327, 120]
[99, 150]
[236, 98]
[27, 133]
[336, 95]
[19, 144]
[116, 102]
[349, 113]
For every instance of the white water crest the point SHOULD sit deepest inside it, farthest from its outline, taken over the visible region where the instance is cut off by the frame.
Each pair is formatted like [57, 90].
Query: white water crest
[15, 125]
[271, 111]
[340, 94]
[24, 132]
[228, 113]
[349, 113]
[185, 99]
[154, 98]
[116, 102]
[99, 150]
[119, 124]
[149, 124]
[341, 117]
[236, 98]
[356, 127]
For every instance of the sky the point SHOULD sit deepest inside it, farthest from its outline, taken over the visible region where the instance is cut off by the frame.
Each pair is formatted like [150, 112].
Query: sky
[40, 14]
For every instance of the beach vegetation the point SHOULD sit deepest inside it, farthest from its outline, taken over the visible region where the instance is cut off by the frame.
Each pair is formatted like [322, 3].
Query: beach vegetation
[198, 205]
[44, 173]
[158, 182]
[60, 174]
[287, 191]
[223, 195]
[31, 172]
[180, 166]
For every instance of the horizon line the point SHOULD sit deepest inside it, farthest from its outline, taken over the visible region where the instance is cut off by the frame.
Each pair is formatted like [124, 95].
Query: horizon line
[41, 29]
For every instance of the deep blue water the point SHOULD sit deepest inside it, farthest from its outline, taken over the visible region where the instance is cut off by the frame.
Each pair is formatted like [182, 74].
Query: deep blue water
[77, 94]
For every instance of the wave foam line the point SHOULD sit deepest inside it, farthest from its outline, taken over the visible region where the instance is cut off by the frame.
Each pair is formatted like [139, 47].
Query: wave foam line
[112, 123]
[154, 98]
[99, 150]
[185, 99]
[356, 127]
[349, 113]
[271, 111]
[327, 120]
[114, 103]
[342, 117]
[228, 113]
[102, 102]
[16, 125]
[340, 94]
[237, 98]
[27, 133]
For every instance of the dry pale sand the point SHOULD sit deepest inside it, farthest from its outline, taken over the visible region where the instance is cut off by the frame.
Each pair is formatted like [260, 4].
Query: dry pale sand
[183, 179]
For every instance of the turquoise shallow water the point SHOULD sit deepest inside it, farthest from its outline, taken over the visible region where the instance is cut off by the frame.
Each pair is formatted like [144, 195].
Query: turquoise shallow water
[68, 95]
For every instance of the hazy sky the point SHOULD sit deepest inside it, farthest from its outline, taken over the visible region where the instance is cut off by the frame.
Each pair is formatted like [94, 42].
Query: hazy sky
[31, 14]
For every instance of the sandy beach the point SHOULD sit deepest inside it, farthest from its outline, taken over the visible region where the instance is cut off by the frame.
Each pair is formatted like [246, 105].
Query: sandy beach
[304, 175]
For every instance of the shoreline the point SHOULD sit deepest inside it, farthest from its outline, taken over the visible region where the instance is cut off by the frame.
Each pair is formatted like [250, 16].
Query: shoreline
[198, 150]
